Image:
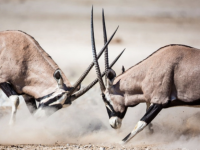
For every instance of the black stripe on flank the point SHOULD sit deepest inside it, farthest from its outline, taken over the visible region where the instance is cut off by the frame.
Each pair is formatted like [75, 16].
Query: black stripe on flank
[175, 103]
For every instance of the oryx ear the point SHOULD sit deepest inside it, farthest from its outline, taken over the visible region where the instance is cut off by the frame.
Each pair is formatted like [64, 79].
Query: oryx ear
[58, 78]
[123, 69]
[110, 74]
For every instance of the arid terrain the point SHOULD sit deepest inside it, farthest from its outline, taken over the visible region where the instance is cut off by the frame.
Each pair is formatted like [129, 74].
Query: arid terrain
[62, 28]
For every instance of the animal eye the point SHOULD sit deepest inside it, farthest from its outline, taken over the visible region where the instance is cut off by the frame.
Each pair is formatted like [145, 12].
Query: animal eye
[57, 74]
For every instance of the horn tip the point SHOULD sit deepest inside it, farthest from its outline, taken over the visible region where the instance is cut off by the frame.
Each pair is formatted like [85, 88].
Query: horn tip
[123, 51]
[116, 29]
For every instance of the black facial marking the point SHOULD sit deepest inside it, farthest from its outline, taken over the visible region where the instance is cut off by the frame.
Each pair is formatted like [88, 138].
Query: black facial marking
[126, 138]
[53, 99]
[113, 113]
[46, 104]
[41, 98]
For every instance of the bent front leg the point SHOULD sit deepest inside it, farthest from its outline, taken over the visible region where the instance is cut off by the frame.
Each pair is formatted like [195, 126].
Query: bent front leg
[146, 119]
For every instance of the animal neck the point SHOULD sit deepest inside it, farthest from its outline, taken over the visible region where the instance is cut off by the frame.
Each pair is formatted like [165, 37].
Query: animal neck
[39, 86]
[129, 86]
[33, 69]
[130, 82]
[40, 81]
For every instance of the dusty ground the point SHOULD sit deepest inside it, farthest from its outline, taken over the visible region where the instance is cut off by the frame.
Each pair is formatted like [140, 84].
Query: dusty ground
[63, 29]
[75, 147]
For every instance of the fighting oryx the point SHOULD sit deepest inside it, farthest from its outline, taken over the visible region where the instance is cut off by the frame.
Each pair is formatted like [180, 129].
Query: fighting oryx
[27, 70]
[167, 78]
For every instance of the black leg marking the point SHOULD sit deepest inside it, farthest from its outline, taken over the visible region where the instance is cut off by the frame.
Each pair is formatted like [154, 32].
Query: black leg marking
[151, 113]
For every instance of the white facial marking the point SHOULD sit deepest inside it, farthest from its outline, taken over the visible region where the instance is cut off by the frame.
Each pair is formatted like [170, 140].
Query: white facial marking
[61, 100]
[107, 96]
[108, 107]
[115, 122]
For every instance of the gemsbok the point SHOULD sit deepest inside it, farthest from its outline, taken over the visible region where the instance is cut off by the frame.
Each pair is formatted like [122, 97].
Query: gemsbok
[167, 78]
[27, 70]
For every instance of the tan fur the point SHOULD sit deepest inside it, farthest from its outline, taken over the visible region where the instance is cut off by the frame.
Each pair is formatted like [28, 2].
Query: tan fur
[173, 70]
[26, 65]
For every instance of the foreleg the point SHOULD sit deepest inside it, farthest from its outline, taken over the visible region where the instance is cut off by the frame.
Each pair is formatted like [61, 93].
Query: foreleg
[151, 113]
[150, 125]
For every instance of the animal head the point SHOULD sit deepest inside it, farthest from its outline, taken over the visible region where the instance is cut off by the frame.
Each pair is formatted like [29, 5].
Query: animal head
[115, 112]
[61, 98]
[113, 101]
[53, 101]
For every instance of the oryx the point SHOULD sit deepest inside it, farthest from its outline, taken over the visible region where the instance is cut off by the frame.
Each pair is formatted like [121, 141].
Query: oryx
[169, 77]
[27, 70]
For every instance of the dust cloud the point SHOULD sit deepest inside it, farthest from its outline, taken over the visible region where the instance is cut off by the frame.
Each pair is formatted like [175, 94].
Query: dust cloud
[86, 121]
[62, 28]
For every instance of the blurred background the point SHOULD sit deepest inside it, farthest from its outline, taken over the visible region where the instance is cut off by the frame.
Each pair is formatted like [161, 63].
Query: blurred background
[62, 28]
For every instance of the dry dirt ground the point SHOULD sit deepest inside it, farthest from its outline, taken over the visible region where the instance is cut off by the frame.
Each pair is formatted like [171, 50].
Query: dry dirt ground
[75, 147]
[62, 28]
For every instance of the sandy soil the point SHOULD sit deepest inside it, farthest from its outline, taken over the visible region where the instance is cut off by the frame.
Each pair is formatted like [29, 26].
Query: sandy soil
[76, 147]
[63, 29]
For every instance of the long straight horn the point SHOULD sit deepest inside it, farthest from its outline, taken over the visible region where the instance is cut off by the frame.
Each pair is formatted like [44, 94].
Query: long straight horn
[105, 40]
[90, 66]
[98, 72]
[83, 91]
